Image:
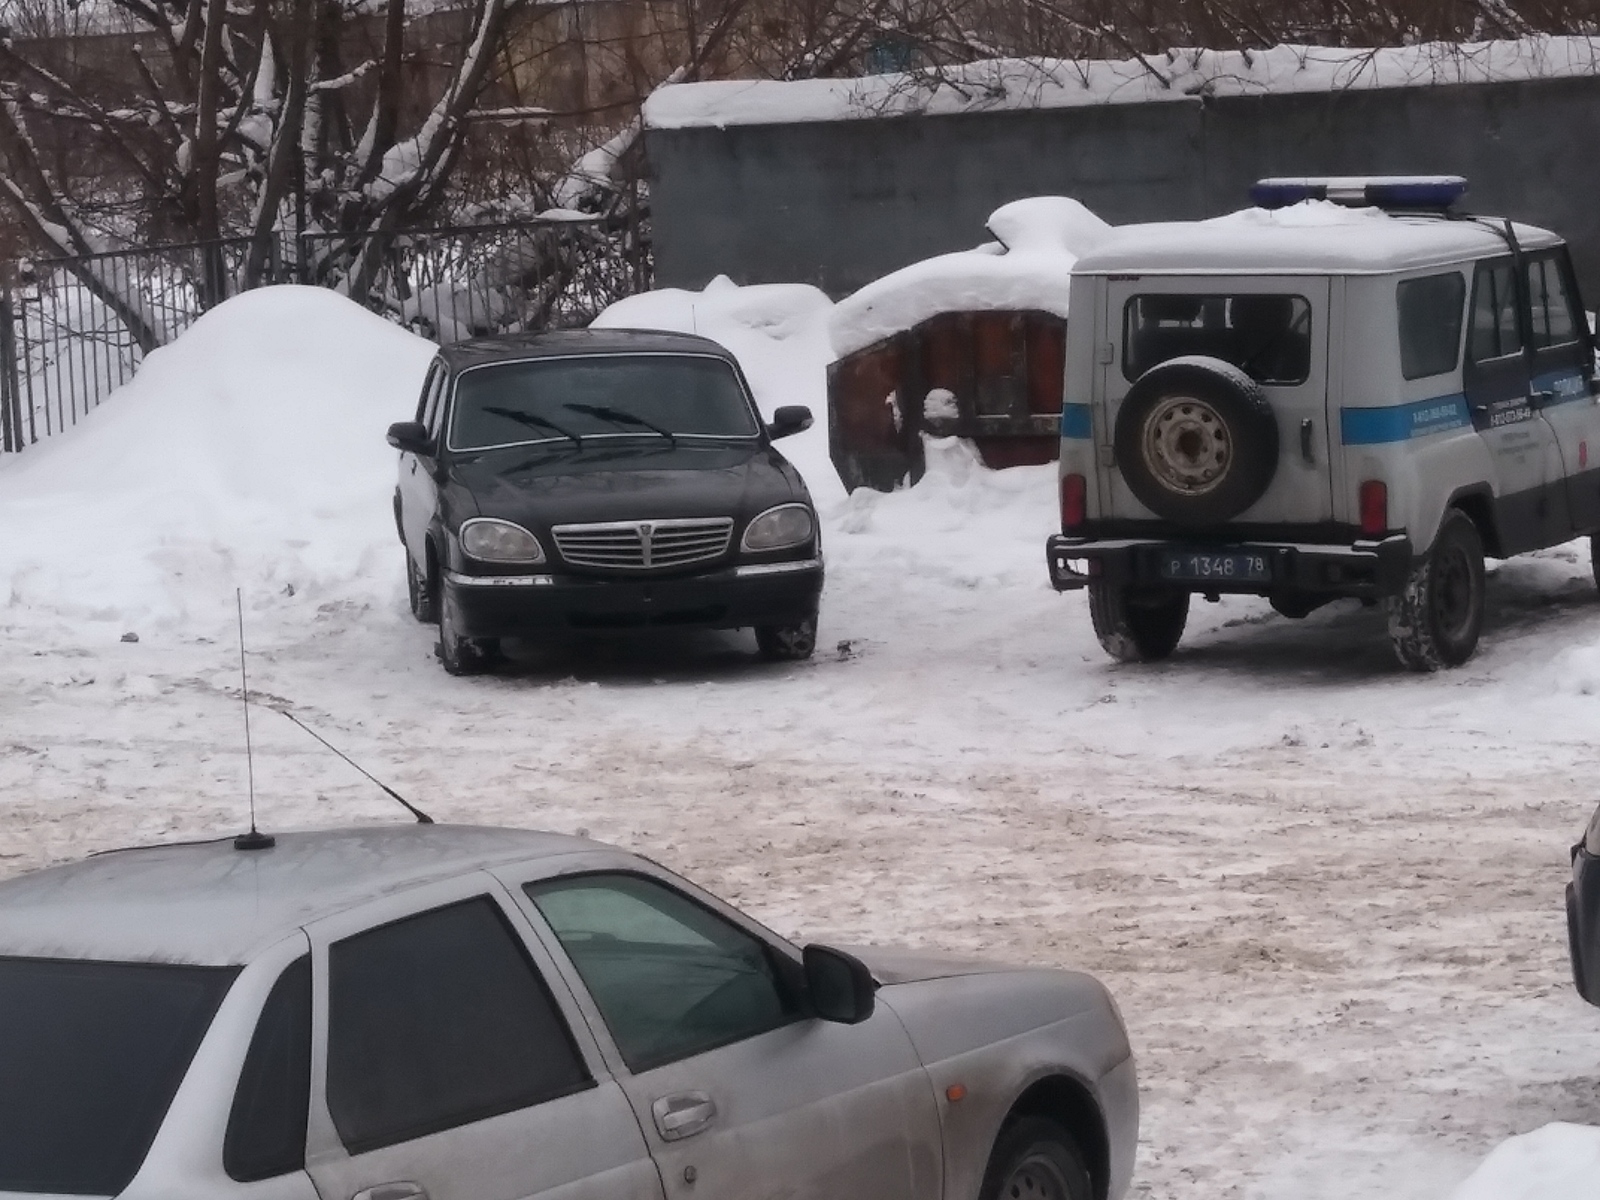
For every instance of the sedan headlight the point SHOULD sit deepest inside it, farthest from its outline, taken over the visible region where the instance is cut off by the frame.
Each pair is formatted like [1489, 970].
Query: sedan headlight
[490, 540]
[780, 528]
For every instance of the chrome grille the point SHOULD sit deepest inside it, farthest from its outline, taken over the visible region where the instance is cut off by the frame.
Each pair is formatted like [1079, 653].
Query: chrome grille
[644, 545]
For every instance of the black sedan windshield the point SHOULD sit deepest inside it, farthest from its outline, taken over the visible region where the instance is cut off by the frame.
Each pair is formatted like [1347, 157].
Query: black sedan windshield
[631, 395]
[91, 1054]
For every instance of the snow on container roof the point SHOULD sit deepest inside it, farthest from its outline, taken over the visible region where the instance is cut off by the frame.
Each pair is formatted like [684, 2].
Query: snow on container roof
[1315, 236]
[999, 85]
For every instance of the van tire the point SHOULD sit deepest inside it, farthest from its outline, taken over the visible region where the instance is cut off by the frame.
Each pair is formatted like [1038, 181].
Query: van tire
[1196, 440]
[1137, 624]
[1436, 620]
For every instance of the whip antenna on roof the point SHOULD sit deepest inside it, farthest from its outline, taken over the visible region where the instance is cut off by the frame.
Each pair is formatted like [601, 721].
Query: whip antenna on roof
[422, 817]
[255, 839]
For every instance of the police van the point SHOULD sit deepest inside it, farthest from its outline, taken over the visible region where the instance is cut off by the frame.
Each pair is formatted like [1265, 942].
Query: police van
[1350, 390]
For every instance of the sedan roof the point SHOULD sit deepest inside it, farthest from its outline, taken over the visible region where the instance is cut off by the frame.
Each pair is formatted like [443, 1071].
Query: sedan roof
[561, 343]
[209, 903]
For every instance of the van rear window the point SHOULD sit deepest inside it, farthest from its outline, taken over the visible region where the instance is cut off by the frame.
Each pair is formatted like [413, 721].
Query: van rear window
[1430, 323]
[91, 1054]
[1267, 336]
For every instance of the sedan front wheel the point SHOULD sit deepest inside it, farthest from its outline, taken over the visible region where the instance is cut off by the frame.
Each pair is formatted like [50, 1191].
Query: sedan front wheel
[1035, 1159]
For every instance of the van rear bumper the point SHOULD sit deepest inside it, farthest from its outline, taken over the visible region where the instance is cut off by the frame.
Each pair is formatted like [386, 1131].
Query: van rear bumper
[1367, 570]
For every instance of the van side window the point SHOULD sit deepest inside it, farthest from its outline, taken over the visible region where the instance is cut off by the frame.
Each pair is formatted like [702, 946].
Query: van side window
[1550, 304]
[1495, 331]
[1430, 323]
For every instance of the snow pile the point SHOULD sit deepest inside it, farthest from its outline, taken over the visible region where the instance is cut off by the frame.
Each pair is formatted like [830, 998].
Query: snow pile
[1177, 75]
[248, 453]
[1028, 267]
[1557, 1162]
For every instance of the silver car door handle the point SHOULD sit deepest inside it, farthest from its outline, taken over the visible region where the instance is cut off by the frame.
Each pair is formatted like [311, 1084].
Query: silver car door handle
[683, 1115]
[404, 1190]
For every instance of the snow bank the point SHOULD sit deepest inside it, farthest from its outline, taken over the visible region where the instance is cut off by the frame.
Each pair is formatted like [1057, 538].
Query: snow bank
[1028, 267]
[248, 453]
[1557, 1162]
[1001, 84]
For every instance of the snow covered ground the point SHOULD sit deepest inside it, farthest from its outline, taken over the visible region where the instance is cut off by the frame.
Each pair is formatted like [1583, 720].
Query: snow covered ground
[1327, 895]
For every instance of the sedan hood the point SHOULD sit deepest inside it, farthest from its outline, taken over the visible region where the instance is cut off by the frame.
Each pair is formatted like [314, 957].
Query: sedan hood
[890, 964]
[627, 479]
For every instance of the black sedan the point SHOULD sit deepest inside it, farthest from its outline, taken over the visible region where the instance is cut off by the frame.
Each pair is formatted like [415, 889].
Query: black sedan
[601, 479]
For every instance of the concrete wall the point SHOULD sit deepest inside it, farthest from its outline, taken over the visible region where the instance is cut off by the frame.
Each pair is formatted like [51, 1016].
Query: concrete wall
[842, 203]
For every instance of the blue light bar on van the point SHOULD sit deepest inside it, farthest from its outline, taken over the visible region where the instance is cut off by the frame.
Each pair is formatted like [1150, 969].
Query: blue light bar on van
[1431, 192]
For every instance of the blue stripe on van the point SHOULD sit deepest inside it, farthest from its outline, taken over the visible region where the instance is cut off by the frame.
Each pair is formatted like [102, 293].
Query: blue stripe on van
[1075, 422]
[1402, 422]
[1565, 386]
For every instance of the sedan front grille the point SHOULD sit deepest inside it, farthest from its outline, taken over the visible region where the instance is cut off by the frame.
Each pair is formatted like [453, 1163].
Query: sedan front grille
[644, 545]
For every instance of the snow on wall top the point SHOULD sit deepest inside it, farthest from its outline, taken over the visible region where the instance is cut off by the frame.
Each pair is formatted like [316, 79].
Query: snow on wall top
[1008, 84]
[1028, 267]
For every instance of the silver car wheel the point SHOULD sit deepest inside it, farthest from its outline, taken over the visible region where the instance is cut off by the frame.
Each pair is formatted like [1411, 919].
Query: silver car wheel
[1036, 1178]
[1186, 445]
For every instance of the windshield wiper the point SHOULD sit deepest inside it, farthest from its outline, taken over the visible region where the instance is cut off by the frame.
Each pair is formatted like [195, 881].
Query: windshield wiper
[533, 422]
[621, 416]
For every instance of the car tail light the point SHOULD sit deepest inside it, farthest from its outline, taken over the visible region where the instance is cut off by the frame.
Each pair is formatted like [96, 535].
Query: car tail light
[1073, 493]
[1374, 508]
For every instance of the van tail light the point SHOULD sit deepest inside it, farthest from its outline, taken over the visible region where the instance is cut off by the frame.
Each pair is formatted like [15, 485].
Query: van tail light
[1374, 508]
[1073, 492]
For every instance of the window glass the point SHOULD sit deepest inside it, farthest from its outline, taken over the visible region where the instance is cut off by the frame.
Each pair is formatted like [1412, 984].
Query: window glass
[267, 1127]
[426, 403]
[1266, 336]
[621, 395]
[1430, 324]
[438, 1020]
[1550, 307]
[671, 978]
[1495, 332]
[91, 1054]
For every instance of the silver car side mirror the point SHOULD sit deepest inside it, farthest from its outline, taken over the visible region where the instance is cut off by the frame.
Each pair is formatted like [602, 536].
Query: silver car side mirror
[840, 987]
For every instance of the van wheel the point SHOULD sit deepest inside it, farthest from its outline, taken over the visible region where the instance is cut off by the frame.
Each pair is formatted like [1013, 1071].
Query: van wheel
[1436, 620]
[1137, 624]
[1035, 1159]
[461, 655]
[420, 593]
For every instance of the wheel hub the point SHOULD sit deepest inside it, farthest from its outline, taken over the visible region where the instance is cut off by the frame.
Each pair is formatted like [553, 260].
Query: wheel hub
[1453, 592]
[1035, 1178]
[1185, 445]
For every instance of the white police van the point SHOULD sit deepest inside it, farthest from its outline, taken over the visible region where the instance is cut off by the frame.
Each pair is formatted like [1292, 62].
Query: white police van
[1351, 390]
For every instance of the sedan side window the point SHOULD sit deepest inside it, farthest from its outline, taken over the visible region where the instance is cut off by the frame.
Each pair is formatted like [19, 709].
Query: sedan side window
[671, 978]
[430, 392]
[433, 418]
[439, 1020]
[267, 1127]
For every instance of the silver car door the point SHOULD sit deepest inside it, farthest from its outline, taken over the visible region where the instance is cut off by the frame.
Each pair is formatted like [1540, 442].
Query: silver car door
[740, 1092]
[449, 1062]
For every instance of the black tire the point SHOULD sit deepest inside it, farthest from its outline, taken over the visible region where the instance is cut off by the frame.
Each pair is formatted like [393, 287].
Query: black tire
[1137, 624]
[1035, 1159]
[420, 593]
[1296, 605]
[461, 655]
[788, 643]
[1594, 557]
[1436, 621]
[1196, 441]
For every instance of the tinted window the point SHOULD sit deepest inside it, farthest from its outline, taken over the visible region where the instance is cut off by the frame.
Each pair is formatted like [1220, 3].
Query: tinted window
[436, 1021]
[1430, 324]
[267, 1127]
[1550, 308]
[430, 392]
[91, 1054]
[1266, 336]
[670, 978]
[619, 395]
[432, 414]
[1494, 330]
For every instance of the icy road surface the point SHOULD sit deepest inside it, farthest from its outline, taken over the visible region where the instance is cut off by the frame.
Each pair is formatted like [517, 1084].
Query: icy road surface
[1327, 895]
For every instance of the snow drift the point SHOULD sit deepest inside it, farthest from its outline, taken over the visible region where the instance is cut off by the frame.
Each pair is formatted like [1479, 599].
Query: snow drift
[1557, 1162]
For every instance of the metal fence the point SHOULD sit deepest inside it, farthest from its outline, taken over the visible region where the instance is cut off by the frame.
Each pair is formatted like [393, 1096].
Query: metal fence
[72, 330]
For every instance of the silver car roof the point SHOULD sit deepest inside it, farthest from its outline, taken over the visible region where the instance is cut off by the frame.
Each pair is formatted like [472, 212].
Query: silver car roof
[208, 903]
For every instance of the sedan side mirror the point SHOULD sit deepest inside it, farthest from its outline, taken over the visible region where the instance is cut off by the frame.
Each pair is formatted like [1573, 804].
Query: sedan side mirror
[410, 436]
[791, 418]
[841, 988]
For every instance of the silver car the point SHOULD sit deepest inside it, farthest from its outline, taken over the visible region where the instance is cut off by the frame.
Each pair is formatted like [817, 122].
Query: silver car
[462, 1013]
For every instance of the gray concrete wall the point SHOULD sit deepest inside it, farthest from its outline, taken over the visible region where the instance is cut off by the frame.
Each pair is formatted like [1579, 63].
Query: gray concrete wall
[842, 203]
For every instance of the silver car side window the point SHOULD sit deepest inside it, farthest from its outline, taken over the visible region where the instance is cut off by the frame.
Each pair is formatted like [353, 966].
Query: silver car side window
[671, 978]
[267, 1126]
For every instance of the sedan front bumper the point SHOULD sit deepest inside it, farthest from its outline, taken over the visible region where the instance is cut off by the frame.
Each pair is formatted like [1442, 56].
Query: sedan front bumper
[780, 593]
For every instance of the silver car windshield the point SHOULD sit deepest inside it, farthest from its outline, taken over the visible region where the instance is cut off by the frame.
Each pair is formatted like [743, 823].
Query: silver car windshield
[91, 1054]
[661, 396]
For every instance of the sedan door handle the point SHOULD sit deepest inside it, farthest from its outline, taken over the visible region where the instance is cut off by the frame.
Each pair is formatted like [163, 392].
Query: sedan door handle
[403, 1190]
[683, 1115]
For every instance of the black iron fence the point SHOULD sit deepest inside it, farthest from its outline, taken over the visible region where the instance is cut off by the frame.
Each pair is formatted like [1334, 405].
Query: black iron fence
[73, 329]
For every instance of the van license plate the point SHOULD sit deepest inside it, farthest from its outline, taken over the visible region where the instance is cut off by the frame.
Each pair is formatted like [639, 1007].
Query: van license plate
[1196, 567]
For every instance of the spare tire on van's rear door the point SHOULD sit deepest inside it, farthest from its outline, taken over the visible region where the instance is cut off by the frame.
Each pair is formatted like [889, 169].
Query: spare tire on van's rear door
[1196, 440]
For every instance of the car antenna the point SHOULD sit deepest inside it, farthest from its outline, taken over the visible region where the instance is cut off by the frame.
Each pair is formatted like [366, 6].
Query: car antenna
[422, 817]
[255, 839]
